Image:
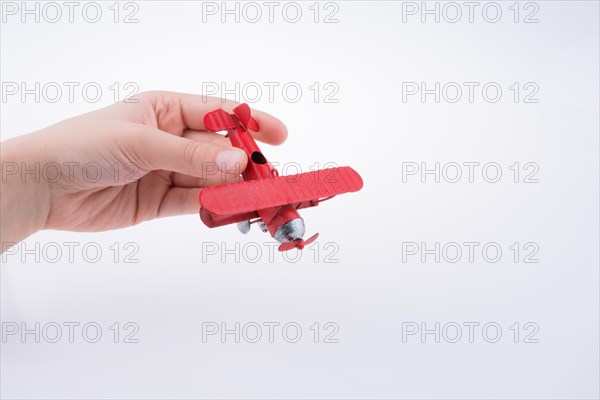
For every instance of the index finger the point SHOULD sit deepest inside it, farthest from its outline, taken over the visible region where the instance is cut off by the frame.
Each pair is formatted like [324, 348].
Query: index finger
[179, 111]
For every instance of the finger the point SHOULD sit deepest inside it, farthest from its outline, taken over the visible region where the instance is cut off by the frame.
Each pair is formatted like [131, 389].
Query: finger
[207, 137]
[153, 149]
[210, 179]
[178, 111]
[179, 201]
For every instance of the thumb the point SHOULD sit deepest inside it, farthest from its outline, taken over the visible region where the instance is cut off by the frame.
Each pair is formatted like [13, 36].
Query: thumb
[162, 150]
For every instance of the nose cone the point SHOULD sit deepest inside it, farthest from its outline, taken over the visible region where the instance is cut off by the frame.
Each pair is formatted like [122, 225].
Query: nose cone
[290, 231]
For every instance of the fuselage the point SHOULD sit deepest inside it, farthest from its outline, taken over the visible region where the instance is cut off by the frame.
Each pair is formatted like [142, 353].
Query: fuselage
[283, 223]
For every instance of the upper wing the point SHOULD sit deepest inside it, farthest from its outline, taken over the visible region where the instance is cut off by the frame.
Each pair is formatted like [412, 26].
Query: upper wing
[249, 196]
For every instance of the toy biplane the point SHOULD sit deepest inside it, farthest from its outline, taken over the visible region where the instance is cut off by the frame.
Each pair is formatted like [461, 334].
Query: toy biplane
[263, 196]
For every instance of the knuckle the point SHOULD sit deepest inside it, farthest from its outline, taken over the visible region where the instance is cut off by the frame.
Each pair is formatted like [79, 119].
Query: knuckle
[146, 97]
[192, 153]
[150, 94]
[155, 98]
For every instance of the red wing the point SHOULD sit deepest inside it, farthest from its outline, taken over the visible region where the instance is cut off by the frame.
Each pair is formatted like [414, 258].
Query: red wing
[249, 196]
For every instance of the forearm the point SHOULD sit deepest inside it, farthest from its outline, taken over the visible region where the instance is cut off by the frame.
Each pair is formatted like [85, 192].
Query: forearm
[24, 194]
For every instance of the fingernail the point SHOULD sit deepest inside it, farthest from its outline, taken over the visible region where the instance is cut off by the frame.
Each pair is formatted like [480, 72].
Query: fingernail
[230, 160]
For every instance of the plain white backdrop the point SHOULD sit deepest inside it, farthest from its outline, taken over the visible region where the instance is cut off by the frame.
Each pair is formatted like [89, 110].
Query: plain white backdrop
[361, 277]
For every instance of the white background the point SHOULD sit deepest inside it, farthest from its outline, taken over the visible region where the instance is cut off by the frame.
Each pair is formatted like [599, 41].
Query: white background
[369, 293]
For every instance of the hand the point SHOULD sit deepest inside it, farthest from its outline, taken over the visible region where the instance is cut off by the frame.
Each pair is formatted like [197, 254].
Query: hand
[120, 165]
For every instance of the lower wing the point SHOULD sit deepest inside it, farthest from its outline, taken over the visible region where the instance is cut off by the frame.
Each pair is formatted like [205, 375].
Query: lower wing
[235, 202]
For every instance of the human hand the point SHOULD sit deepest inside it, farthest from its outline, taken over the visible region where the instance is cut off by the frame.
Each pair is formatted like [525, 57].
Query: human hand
[120, 165]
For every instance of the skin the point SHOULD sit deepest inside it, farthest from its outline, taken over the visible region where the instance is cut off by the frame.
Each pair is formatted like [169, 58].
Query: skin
[120, 165]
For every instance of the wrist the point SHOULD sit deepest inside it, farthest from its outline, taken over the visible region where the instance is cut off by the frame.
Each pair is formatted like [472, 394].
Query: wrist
[25, 193]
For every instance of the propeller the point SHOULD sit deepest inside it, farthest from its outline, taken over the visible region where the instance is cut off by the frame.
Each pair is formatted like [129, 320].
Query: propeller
[299, 244]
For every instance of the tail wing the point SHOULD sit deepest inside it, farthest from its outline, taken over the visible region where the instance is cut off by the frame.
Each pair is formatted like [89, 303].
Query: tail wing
[221, 120]
[243, 113]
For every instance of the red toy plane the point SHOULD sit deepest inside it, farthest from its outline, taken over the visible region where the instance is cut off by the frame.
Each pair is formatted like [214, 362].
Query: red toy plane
[264, 196]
